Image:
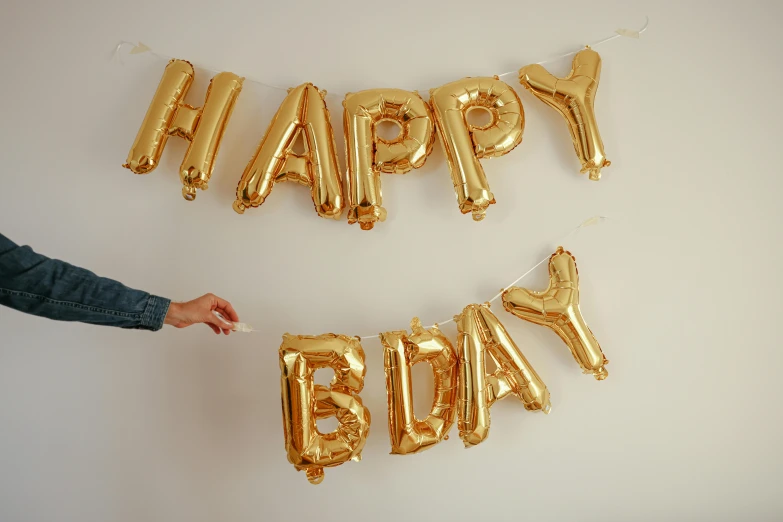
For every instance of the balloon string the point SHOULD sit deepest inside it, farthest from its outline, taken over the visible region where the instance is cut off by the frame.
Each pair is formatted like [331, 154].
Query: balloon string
[140, 48]
[245, 328]
[586, 223]
[617, 34]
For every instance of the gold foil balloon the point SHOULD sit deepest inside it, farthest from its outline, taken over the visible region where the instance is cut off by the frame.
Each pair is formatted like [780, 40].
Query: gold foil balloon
[369, 154]
[481, 333]
[557, 307]
[465, 143]
[573, 97]
[303, 112]
[304, 401]
[202, 127]
[401, 352]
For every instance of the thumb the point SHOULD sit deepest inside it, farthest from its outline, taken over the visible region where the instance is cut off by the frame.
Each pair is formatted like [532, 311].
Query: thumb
[216, 318]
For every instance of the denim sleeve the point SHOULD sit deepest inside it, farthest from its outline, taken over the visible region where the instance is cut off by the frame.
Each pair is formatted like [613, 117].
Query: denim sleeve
[35, 284]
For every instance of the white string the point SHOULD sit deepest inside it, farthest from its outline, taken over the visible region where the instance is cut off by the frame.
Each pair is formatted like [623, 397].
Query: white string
[146, 50]
[586, 223]
[617, 34]
[245, 328]
[143, 49]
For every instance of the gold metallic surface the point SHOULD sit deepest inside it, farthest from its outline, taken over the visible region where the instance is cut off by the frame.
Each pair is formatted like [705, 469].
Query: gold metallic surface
[304, 402]
[368, 154]
[481, 333]
[147, 149]
[573, 97]
[557, 307]
[302, 112]
[401, 351]
[465, 144]
[203, 127]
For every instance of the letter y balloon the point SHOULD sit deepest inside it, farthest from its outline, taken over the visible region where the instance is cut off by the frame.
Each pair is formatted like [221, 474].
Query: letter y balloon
[573, 97]
[557, 308]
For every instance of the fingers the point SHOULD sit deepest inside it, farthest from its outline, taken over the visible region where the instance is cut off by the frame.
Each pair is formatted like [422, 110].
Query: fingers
[217, 329]
[225, 306]
[222, 322]
[220, 325]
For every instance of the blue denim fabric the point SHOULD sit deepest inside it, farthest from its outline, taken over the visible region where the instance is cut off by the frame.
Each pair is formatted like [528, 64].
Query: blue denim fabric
[38, 285]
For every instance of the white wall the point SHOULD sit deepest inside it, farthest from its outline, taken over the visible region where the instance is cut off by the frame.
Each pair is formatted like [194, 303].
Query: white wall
[682, 286]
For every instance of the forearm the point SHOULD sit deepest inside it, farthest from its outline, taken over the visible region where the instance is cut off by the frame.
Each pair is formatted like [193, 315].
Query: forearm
[35, 284]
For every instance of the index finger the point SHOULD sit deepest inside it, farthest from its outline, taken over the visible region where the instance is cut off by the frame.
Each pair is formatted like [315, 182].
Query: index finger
[230, 313]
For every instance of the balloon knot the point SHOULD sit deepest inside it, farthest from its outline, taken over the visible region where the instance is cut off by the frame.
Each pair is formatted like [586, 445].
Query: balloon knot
[416, 324]
[189, 193]
[315, 475]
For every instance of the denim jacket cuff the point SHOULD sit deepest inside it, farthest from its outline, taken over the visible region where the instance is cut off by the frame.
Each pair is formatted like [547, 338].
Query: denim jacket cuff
[154, 313]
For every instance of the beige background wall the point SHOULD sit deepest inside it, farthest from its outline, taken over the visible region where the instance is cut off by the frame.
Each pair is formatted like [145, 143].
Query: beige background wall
[682, 285]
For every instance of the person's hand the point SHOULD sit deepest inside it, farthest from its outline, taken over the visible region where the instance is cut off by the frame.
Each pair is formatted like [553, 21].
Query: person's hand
[201, 310]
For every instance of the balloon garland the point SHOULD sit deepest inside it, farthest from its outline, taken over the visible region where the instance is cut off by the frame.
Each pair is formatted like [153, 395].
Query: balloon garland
[464, 390]
[303, 113]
